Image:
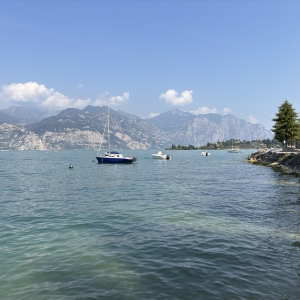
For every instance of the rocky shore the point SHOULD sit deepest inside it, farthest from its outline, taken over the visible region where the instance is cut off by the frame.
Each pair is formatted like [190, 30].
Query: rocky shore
[285, 162]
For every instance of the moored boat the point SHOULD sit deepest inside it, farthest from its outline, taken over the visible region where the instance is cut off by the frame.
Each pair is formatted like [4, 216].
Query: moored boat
[206, 154]
[234, 150]
[112, 157]
[159, 155]
[115, 157]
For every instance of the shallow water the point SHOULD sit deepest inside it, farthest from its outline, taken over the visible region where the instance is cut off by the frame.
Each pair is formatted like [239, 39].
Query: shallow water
[194, 227]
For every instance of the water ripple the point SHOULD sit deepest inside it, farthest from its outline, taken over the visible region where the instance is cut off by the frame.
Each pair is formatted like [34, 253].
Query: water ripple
[190, 228]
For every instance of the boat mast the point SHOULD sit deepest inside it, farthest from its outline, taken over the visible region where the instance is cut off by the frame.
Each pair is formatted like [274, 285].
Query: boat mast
[108, 132]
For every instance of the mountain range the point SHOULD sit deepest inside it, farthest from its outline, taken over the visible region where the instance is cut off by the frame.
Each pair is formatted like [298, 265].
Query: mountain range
[83, 129]
[25, 115]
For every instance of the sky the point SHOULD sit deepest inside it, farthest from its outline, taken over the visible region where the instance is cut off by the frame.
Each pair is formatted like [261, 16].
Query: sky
[151, 56]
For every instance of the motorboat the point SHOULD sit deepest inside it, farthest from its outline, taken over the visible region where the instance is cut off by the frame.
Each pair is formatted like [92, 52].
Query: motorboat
[159, 155]
[206, 154]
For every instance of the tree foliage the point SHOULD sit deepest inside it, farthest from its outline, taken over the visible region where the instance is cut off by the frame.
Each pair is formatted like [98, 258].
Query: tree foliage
[287, 126]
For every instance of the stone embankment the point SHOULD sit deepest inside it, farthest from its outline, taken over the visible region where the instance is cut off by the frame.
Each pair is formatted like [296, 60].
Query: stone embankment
[285, 162]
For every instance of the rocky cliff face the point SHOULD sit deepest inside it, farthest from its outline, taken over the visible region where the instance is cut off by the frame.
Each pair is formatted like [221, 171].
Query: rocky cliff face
[14, 137]
[83, 129]
[187, 129]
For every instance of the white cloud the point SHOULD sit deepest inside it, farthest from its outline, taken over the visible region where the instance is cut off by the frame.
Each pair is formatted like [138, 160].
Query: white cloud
[117, 100]
[114, 101]
[32, 93]
[204, 110]
[171, 97]
[152, 115]
[252, 120]
[36, 94]
[226, 110]
[82, 103]
[79, 86]
[4, 102]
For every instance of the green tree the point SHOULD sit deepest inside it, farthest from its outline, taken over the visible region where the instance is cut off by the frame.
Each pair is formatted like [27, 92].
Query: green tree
[287, 126]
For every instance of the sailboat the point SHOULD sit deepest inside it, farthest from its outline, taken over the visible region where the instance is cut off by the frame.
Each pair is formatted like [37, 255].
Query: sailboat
[234, 149]
[112, 157]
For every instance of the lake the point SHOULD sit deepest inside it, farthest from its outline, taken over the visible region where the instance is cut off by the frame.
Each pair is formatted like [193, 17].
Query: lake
[194, 227]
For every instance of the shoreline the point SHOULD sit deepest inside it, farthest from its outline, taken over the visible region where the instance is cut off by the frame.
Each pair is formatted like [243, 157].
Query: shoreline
[284, 162]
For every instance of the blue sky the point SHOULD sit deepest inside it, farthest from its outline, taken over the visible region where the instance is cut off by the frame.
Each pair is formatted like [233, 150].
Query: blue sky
[238, 57]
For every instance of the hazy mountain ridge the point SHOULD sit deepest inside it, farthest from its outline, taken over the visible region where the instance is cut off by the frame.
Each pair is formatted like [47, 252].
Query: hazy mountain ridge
[82, 129]
[8, 119]
[187, 129]
[29, 114]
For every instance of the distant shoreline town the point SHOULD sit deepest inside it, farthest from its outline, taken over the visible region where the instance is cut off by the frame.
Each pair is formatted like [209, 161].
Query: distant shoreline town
[255, 144]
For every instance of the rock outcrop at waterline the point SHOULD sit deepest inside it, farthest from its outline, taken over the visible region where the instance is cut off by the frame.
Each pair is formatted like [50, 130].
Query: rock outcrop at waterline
[285, 162]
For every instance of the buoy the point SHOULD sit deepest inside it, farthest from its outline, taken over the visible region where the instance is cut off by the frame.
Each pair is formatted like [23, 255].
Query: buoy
[70, 166]
[92, 160]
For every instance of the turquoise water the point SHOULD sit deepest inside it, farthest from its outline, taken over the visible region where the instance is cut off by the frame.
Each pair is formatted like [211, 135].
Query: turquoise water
[191, 228]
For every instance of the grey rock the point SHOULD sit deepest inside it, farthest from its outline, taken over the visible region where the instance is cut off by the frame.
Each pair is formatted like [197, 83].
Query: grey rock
[83, 129]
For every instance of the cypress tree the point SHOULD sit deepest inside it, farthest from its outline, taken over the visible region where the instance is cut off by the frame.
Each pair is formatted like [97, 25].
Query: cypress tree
[287, 126]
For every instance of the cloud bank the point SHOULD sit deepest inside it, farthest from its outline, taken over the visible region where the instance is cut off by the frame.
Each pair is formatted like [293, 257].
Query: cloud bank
[116, 100]
[226, 110]
[171, 97]
[34, 94]
[204, 110]
[152, 115]
[252, 120]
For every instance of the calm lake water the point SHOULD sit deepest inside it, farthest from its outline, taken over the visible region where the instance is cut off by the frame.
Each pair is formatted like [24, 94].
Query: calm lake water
[194, 227]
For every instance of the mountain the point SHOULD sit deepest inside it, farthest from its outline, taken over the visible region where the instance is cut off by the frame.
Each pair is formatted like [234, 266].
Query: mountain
[172, 120]
[187, 129]
[128, 115]
[29, 114]
[8, 119]
[75, 128]
[17, 137]
[83, 129]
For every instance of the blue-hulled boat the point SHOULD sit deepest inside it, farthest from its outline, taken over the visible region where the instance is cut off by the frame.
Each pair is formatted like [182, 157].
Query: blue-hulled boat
[113, 157]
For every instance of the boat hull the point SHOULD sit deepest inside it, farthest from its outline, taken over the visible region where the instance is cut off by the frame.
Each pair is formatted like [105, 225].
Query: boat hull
[206, 154]
[234, 151]
[167, 157]
[115, 160]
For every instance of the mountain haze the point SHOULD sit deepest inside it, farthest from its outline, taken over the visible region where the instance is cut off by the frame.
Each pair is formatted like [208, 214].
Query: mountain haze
[8, 119]
[188, 129]
[29, 114]
[83, 129]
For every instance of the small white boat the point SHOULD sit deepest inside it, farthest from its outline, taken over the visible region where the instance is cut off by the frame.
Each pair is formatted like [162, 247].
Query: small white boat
[206, 154]
[234, 150]
[159, 155]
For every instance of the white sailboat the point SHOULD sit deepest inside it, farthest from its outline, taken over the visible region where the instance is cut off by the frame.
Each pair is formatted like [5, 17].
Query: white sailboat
[234, 149]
